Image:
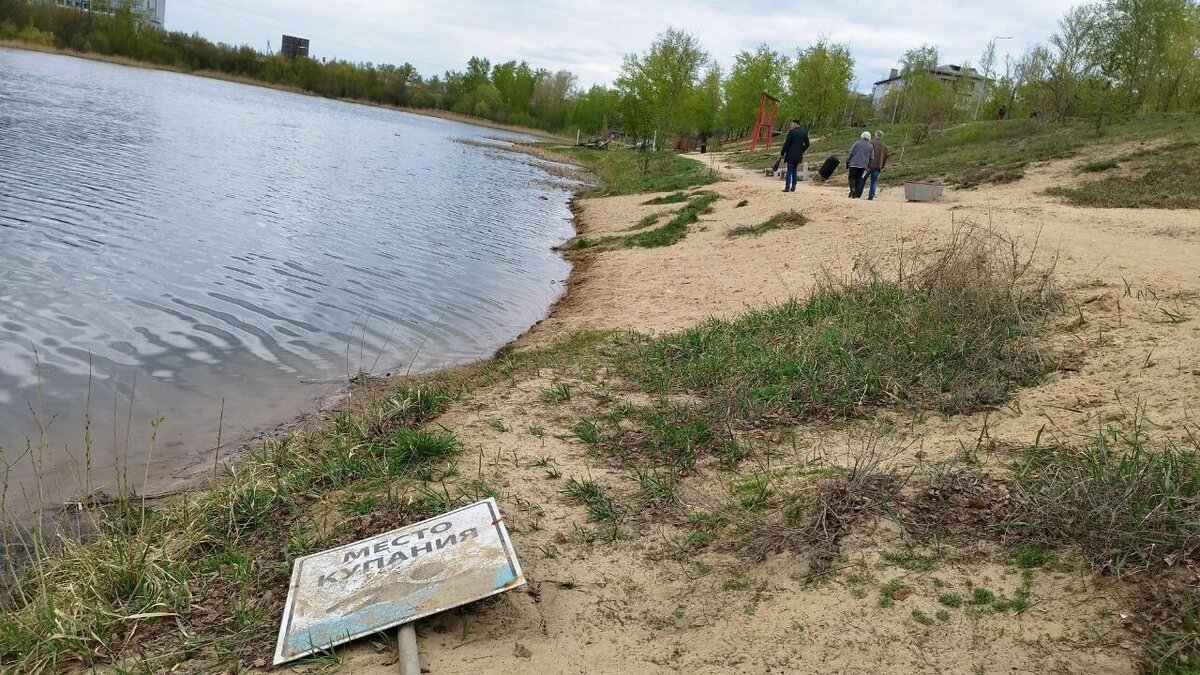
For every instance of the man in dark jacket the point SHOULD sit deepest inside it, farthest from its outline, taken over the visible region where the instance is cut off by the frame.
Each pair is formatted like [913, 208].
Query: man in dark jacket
[793, 153]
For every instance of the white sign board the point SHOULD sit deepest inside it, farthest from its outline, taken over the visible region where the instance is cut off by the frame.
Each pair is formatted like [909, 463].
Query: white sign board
[394, 578]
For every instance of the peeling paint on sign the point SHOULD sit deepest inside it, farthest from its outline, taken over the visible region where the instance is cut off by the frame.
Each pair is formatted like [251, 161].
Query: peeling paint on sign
[391, 579]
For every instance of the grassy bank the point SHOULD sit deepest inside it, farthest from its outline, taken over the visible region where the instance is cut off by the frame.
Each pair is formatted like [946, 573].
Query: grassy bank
[624, 171]
[1167, 177]
[990, 152]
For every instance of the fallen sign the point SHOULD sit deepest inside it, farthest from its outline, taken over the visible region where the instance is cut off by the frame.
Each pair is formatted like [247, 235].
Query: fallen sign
[395, 578]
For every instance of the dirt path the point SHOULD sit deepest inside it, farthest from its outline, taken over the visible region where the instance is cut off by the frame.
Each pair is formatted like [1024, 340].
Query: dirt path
[646, 603]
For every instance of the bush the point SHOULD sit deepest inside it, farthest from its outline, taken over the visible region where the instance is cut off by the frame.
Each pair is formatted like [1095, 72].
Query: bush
[954, 336]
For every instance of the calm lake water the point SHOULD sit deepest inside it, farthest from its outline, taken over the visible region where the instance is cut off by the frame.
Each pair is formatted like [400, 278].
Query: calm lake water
[179, 241]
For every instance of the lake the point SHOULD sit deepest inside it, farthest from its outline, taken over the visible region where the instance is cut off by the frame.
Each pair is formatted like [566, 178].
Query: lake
[181, 251]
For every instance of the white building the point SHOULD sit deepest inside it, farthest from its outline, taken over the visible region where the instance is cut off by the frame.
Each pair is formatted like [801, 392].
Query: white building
[153, 11]
[950, 75]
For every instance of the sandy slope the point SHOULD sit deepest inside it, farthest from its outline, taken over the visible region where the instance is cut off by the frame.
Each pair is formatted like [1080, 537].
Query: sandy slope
[642, 605]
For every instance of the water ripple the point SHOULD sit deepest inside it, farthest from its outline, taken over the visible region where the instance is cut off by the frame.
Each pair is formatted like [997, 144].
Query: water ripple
[207, 244]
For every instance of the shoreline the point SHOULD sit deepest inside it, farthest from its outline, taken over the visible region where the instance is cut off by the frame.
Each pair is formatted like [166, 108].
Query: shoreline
[213, 75]
[602, 547]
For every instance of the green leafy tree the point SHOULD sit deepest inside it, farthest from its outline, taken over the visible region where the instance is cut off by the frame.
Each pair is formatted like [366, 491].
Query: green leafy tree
[819, 83]
[657, 87]
[753, 73]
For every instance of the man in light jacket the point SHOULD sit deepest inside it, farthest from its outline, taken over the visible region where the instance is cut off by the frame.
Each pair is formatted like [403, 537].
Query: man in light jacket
[878, 161]
[793, 153]
[857, 163]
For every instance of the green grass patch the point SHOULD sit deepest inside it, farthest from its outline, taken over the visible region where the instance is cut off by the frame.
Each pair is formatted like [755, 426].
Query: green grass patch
[624, 171]
[1099, 165]
[1176, 650]
[953, 336]
[744, 202]
[988, 152]
[982, 596]
[922, 618]
[676, 228]
[951, 600]
[1029, 557]
[1171, 181]
[587, 492]
[1123, 501]
[214, 560]
[784, 220]
[648, 221]
[673, 198]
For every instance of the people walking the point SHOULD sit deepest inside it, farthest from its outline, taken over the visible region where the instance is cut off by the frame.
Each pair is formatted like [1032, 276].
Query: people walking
[793, 153]
[879, 159]
[858, 161]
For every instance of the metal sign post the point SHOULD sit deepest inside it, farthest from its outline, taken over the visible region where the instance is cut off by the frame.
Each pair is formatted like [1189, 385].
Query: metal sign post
[395, 578]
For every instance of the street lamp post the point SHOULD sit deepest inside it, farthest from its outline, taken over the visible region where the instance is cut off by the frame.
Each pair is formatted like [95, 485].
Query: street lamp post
[987, 75]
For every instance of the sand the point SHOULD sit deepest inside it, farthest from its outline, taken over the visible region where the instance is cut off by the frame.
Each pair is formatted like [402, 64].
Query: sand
[644, 604]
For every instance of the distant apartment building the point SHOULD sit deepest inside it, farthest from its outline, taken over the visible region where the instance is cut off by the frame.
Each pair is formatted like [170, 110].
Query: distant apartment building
[154, 12]
[294, 46]
[950, 75]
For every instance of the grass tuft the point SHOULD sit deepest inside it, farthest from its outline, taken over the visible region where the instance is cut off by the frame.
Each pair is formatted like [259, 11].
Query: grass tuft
[784, 220]
[673, 198]
[1123, 501]
[1099, 165]
[677, 227]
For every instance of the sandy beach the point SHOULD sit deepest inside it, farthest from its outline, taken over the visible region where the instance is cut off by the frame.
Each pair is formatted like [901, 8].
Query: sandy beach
[645, 603]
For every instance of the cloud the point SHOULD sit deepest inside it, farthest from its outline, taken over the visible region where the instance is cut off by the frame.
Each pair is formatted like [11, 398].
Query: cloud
[589, 37]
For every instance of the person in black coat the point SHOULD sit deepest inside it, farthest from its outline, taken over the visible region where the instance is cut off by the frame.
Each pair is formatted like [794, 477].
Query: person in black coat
[793, 153]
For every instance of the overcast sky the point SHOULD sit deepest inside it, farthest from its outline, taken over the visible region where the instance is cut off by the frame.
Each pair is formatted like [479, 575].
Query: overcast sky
[588, 37]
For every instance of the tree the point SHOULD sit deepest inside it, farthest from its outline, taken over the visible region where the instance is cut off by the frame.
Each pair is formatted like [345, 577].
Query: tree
[986, 61]
[753, 73]
[709, 104]
[595, 109]
[656, 86]
[923, 98]
[819, 83]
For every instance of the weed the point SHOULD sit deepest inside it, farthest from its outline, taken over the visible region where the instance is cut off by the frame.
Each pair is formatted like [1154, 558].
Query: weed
[953, 336]
[673, 198]
[1099, 165]
[951, 599]
[735, 584]
[1123, 500]
[647, 221]
[744, 202]
[784, 220]
[982, 596]
[659, 488]
[587, 431]
[922, 618]
[1032, 556]
[893, 591]
[706, 520]
[413, 450]
[700, 538]
[623, 171]
[677, 227]
[556, 393]
[498, 425]
[1176, 650]
[599, 507]
[361, 506]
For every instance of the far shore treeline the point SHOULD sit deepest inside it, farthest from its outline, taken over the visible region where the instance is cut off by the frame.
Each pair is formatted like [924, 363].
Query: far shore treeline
[1107, 60]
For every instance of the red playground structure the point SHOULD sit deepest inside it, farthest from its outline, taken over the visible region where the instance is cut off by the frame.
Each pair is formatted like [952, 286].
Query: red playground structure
[764, 128]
